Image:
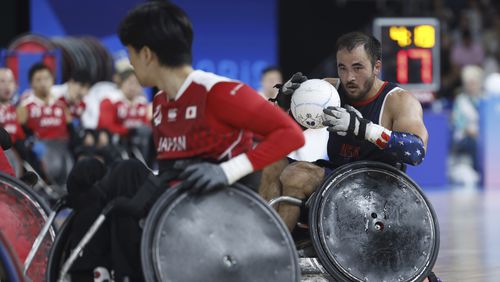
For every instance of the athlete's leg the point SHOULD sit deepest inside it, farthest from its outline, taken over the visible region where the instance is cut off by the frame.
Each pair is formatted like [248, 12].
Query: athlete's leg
[270, 185]
[299, 180]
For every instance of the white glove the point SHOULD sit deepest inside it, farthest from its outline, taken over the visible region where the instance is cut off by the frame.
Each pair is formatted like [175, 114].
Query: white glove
[342, 121]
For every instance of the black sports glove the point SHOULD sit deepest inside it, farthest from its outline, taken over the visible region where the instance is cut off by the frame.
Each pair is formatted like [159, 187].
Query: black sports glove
[203, 177]
[285, 91]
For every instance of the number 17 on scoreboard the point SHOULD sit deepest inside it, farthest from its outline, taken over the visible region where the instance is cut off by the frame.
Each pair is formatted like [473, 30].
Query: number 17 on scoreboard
[410, 51]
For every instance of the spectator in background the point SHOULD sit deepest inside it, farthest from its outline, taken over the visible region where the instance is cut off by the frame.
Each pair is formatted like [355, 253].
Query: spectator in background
[465, 120]
[491, 43]
[48, 122]
[8, 118]
[270, 76]
[126, 116]
[467, 51]
[71, 94]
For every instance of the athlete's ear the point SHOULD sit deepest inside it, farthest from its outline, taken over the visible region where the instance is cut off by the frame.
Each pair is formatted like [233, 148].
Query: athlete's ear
[377, 67]
[147, 54]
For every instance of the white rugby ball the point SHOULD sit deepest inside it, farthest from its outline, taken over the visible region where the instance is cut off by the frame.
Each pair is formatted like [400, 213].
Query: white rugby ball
[309, 100]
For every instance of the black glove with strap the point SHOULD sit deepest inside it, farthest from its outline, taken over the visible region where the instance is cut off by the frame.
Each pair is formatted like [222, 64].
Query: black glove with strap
[285, 91]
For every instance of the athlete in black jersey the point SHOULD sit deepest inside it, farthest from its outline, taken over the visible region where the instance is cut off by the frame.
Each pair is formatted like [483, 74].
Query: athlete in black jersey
[377, 121]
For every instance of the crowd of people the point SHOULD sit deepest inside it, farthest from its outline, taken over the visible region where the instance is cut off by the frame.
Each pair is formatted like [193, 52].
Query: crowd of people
[49, 124]
[470, 63]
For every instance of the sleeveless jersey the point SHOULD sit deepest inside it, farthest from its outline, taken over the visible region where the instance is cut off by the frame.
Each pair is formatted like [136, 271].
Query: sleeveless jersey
[8, 120]
[47, 121]
[346, 149]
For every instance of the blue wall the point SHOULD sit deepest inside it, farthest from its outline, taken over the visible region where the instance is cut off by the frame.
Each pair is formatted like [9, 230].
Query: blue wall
[433, 170]
[232, 38]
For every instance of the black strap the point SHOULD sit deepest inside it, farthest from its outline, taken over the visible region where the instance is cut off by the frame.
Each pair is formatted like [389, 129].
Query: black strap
[362, 128]
[284, 101]
[352, 123]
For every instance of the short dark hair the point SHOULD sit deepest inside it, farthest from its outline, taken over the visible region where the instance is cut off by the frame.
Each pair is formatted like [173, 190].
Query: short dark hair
[81, 76]
[269, 69]
[352, 40]
[161, 26]
[36, 67]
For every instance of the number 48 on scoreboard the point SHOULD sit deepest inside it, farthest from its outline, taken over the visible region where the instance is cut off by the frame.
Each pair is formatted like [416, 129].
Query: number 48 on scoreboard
[410, 51]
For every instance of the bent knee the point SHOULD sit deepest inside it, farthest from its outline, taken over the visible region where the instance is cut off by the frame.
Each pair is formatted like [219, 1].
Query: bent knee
[301, 178]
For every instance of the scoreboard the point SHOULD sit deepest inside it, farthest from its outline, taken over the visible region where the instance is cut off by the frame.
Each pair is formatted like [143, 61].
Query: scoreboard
[410, 51]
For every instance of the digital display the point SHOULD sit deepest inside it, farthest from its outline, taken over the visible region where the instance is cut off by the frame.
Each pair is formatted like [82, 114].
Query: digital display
[410, 51]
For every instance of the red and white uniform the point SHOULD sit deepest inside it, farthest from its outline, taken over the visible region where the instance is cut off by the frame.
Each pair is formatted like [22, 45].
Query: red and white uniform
[76, 109]
[117, 114]
[133, 114]
[8, 120]
[60, 92]
[214, 118]
[47, 121]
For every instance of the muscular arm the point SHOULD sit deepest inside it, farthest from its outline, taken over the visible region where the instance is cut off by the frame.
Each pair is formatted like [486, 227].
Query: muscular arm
[405, 115]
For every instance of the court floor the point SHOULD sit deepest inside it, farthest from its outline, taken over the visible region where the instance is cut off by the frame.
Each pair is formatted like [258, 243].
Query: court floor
[469, 222]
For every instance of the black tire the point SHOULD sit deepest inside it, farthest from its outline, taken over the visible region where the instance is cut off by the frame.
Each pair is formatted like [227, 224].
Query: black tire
[331, 258]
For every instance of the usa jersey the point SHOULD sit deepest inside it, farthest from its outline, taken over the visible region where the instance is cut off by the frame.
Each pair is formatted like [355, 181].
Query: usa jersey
[214, 118]
[8, 120]
[346, 149]
[46, 120]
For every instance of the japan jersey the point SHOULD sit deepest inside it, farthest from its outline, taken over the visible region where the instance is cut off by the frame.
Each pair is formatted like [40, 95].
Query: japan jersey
[214, 118]
[8, 120]
[46, 120]
[76, 109]
[346, 149]
[60, 92]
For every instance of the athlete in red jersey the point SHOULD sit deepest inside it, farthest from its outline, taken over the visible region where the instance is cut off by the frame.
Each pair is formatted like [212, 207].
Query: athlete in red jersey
[130, 109]
[8, 120]
[195, 115]
[198, 114]
[50, 122]
[41, 113]
[71, 94]
[8, 117]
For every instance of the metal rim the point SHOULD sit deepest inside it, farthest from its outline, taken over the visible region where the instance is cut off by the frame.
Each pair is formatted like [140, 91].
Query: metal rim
[318, 238]
[39, 207]
[173, 197]
[58, 249]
